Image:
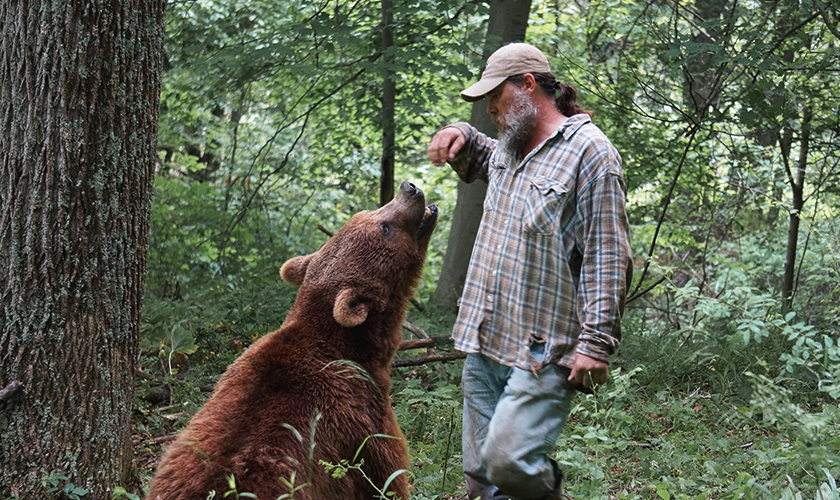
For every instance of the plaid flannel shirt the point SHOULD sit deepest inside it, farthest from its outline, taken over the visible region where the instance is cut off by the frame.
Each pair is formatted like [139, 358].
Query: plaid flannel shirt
[551, 262]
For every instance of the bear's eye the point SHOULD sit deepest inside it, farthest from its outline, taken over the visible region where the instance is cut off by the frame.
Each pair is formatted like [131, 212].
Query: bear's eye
[385, 228]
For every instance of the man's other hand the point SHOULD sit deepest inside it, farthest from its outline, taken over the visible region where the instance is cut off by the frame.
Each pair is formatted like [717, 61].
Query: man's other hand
[588, 373]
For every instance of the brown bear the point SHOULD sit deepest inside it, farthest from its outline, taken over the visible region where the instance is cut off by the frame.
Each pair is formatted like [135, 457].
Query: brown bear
[317, 389]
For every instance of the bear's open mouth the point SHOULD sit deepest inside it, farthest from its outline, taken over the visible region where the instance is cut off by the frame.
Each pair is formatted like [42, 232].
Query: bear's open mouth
[429, 220]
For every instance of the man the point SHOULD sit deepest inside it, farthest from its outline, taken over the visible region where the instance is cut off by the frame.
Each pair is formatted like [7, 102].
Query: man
[541, 310]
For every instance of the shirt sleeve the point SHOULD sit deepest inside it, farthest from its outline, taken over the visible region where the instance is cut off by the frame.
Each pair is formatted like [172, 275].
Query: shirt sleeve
[473, 160]
[607, 265]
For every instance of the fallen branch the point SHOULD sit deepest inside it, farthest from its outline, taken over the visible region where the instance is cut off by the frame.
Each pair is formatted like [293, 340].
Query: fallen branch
[416, 330]
[175, 416]
[428, 359]
[177, 378]
[160, 393]
[422, 343]
[162, 439]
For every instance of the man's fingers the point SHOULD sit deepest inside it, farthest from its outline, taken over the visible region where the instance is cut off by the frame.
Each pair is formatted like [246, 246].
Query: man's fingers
[586, 381]
[454, 147]
[445, 145]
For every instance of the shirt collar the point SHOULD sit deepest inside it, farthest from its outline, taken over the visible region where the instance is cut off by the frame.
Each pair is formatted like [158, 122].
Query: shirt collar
[572, 124]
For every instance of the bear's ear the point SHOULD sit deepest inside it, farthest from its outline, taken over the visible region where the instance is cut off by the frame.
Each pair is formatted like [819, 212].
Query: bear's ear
[294, 269]
[350, 309]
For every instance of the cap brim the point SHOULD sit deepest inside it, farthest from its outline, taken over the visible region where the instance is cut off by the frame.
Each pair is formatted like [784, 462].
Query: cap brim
[482, 88]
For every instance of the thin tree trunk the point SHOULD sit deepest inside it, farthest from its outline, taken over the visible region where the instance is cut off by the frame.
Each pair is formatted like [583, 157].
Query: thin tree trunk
[389, 97]
[507, 23]
[79, 93]
[797, 187]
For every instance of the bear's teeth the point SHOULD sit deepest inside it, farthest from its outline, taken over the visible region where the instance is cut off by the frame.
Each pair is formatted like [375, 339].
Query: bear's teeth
[428, 212]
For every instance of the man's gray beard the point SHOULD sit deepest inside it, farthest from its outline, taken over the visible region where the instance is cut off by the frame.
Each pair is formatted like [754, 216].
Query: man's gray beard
[518, 124]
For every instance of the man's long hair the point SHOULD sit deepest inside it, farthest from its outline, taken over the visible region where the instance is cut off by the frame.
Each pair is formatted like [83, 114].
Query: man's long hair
[565, 96]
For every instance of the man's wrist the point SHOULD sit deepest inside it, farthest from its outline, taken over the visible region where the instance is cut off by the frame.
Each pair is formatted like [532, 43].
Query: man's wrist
[593, 352]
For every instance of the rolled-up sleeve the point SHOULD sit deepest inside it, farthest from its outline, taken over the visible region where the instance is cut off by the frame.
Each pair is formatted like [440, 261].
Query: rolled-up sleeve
[607, 265]
[473, 159]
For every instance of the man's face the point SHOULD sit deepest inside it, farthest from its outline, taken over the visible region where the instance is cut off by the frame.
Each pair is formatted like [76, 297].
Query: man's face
[498, 103]
[514, 114]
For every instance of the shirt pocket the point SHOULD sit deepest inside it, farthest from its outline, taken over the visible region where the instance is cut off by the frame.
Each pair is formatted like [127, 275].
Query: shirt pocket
[542, 205]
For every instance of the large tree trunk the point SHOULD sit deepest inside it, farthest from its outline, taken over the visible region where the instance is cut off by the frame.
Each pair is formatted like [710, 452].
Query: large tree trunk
[79, 92]
[507, 23]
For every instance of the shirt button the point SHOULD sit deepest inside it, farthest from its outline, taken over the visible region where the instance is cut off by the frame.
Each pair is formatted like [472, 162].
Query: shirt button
[499, 246]
[489, 298]
[506, 222]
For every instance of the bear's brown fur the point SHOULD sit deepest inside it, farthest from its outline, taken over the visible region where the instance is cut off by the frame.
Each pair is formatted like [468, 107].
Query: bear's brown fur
[323, 374]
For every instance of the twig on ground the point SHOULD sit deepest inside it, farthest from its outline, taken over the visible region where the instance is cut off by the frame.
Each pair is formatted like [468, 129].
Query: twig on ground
[429, 359]
[423, 342]
[416, 330]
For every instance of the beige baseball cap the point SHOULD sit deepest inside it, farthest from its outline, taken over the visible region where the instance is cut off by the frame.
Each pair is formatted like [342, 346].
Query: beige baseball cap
[510, 60]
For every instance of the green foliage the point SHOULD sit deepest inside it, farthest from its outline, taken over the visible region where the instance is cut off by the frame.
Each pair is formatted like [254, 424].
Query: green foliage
[58, 486]
[233, 492]
[270, 126]
[341, 469]
[120, 493]
[293, 487]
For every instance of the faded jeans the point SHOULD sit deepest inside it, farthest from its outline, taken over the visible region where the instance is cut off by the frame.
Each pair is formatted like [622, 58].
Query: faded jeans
[511, 423]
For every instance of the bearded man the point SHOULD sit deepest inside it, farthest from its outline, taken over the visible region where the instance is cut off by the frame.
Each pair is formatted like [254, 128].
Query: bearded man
[541, 310]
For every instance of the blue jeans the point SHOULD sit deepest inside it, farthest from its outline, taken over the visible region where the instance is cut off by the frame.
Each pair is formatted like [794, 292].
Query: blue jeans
[511, 423]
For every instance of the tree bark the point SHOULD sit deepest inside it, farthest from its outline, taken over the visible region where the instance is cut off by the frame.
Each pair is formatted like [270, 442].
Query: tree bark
[389, 97]
[79, 93]
[507, 23]
[797, 186]
[700, 91]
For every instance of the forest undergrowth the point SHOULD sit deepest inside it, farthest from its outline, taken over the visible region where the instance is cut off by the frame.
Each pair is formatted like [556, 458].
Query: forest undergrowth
[706, 412]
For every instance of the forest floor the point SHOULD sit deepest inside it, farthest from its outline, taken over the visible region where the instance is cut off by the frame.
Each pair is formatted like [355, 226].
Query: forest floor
[625, 442]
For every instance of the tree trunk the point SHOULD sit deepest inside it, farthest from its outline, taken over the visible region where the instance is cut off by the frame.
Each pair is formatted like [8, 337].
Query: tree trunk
[700, 91]
[797, 187]
[79, 92]
[389, 97]
[507, 23]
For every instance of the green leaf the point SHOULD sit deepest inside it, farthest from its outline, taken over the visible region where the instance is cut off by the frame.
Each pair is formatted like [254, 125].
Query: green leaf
[181, 340]
[393, 476]
[120, 492]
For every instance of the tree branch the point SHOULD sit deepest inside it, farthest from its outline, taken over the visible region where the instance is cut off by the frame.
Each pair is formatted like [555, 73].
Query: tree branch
[428, 359]
[665, 203]
[828, 22]
[416, 330]
[422, 343]
[646, 290]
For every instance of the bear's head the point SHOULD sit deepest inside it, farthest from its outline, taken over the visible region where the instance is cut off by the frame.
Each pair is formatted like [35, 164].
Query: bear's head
[372, 263]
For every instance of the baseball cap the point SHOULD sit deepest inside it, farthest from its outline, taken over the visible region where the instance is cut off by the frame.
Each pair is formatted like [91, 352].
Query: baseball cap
[512, 59]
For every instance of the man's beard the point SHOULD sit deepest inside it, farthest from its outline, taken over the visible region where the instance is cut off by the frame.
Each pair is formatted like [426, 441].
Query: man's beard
[515, 127]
